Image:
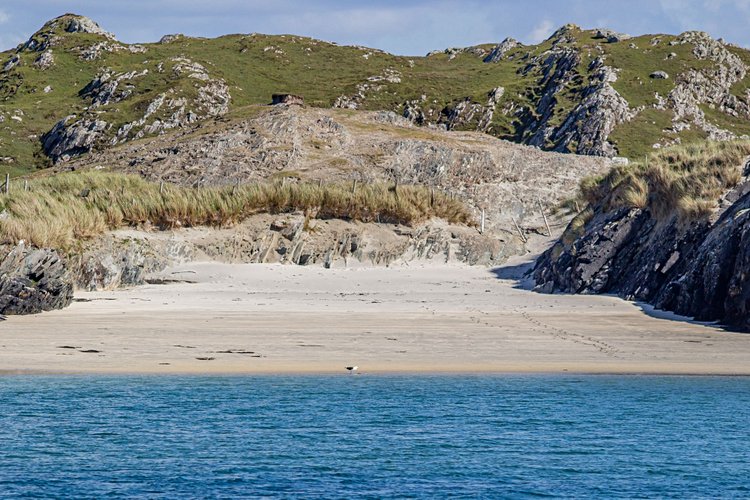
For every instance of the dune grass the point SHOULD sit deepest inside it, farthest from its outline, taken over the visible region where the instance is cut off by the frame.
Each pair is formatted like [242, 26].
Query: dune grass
[64, 211]
[686, 181]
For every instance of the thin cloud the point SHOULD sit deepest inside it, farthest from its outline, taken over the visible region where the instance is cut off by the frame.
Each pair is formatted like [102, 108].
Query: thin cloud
[401, 26]
[541, 31]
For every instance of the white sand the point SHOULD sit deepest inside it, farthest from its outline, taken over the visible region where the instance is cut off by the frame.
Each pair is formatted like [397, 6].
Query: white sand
[309, 319]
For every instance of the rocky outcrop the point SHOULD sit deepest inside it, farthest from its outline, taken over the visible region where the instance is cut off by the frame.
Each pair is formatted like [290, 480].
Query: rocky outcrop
[171, 38]
[699, 269]
[556, 69]
[498, 51]
[207, 98]
[81, 24]
[70, 137]
[45, 60]
[172, 109]
[33, 281]
[611, 36]
[111, 88]
[95, 51]
[50, 34]
[469, 114]
[711, 86]
[590, 124]
[373, 84]
[114, 262]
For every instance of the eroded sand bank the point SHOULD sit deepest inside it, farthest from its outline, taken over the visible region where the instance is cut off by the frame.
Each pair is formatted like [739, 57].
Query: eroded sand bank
[272, 318]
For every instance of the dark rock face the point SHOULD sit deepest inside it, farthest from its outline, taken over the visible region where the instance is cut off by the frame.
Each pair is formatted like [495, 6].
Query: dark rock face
[34, 280]
[701, 270]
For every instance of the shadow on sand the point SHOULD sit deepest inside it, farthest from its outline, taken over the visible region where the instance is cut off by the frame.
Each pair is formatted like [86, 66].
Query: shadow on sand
[653, 312]
[520, 272]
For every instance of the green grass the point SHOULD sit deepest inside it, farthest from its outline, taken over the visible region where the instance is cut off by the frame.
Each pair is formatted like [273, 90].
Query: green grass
[256, 66]
[65, 210]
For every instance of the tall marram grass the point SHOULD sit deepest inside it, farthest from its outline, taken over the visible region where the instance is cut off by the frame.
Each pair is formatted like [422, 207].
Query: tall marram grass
[63, 210]
[686, 181]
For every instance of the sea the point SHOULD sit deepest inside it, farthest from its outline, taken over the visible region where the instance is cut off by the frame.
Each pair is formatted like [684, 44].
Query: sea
[374, 436]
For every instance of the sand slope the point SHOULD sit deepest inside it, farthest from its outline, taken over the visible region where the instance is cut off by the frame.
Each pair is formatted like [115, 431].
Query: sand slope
[274, 318]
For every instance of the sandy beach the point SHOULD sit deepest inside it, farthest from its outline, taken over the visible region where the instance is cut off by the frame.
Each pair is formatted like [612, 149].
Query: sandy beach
[221, 318]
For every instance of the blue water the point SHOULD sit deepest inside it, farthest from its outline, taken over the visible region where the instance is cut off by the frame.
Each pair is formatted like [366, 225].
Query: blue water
[374, 436]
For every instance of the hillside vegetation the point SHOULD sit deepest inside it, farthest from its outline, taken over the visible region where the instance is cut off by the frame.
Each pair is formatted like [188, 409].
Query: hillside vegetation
[685, 180]
[66, 210]
[73, 88]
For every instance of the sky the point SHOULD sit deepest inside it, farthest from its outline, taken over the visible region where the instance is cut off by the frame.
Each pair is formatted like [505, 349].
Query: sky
[405, 27]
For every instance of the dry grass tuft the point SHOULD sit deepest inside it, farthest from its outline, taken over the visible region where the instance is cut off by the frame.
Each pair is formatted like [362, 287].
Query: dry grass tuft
[684, 181]
[64, 210]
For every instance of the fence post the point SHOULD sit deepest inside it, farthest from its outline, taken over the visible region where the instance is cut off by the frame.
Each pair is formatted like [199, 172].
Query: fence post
[25, 184]
[7, 183]
[481, 224]
[549, 231]
[518, 228]
[161, 187]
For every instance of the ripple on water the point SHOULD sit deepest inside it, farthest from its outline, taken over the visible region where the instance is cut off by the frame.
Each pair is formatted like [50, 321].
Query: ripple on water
[377, 436]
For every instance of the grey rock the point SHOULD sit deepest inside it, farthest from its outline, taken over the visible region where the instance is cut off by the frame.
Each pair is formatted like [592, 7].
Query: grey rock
[659, 75]
[710, 86]
[171, 38]
[114, 263]
[33, 280]
[82, 24]
[45, 60]
[593, 120]
[14, 61]
[498, 52]
[111, 88]
[469, 114]
[611, 36]
[70, 137]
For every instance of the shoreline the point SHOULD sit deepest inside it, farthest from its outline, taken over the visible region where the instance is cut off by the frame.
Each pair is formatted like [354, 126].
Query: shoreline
[421, 319]
[530, 372]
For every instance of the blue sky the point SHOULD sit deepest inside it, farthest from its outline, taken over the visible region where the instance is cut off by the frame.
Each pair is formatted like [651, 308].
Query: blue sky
[410, 27]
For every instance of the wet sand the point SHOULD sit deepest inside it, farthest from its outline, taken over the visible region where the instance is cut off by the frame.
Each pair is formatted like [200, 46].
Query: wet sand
[231, 319]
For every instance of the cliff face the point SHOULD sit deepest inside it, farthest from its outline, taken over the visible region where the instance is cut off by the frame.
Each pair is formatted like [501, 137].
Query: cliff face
[693, 266]
[73, 88]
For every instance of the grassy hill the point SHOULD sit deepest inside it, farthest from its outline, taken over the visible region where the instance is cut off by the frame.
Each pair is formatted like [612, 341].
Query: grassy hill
[546, 96]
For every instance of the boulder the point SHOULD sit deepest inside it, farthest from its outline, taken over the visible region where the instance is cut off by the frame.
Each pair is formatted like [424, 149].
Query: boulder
[34, 280]
[611, 36]
[659, 75]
